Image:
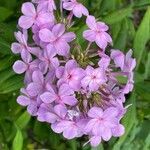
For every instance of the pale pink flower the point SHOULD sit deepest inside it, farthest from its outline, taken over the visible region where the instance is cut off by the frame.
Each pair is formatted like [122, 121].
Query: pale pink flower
[31, 16]
[97, 32]
[57, 39]
[93, 78]
[77, 8]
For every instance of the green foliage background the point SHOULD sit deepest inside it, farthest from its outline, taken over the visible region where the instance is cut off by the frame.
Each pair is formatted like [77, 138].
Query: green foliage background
[129, 22]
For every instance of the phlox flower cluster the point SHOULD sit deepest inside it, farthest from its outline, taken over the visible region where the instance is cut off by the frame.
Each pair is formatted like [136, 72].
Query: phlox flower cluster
[76, 95]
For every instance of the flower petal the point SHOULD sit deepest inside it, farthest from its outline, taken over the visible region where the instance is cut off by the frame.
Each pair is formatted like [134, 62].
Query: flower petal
[62, 47]
[95, 112]
[95, 141]
[16, 48]
[19, 67]
[68, 37]
[48, 97]
[65, 90]
[91, 22]
[89, 35]
[118, 58]
[32, 109]
[50, 117]
[71, 132]
[68, 5]
[46, 35]
[60, 110]
[77, 11]
[119, 130]
[58, 30]
[28, 9]
[70, 100]
[34, 89]
[25, 22]
[38, 77]
[23, 100]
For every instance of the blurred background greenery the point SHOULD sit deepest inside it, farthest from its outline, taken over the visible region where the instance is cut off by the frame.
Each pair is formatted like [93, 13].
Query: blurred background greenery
[129, 22]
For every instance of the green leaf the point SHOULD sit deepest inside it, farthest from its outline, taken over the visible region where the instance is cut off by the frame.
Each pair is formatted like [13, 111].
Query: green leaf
[9, 4]
[100, 147]
[118, 15]
[147, 143]
[122, 79]
[115, 30]
[128, 121]
[142, 36]
[73, 144]
[121, 39]
[147, 68]
[79, 34]
[7, 31]
[105, 6]
[23, 120]
[12, 84]
[6, 62]
[18, 141]
[143, 89]
[4, 13]
[4, 47]
[4, 75]
[140, 3]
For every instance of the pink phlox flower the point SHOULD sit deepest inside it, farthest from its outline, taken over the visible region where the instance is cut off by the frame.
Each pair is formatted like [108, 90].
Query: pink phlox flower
[77, 8]
[36, 28]
[57, 39]
[70, 129]
[103, 123]
[38, 84]
[64, 95]
[71, 74]
[48, 5]
[50, 113]
[126, 63]
[97, 32]
[32, 16]
[32, 103]
[93, 78]
[22, 46]
[48, 61]
[104, 61]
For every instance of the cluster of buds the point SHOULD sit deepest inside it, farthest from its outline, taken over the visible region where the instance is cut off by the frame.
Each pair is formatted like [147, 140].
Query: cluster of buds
[78, 92]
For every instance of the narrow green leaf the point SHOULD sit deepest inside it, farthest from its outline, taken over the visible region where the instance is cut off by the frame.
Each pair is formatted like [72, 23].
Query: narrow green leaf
[115, 30]
[141, 3]
[128, 121]
[4, 13]
[147, 68]
[18, 141]
[4, 47]
[80, 40]
[118, 15]
[6, 62]
[105, 6]
[12, 84]
[23, 120]
[4, 75]
[10, 28]
[121, 39]
[143, 89]
[73, 144]
[147, 143]
[142, 37]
